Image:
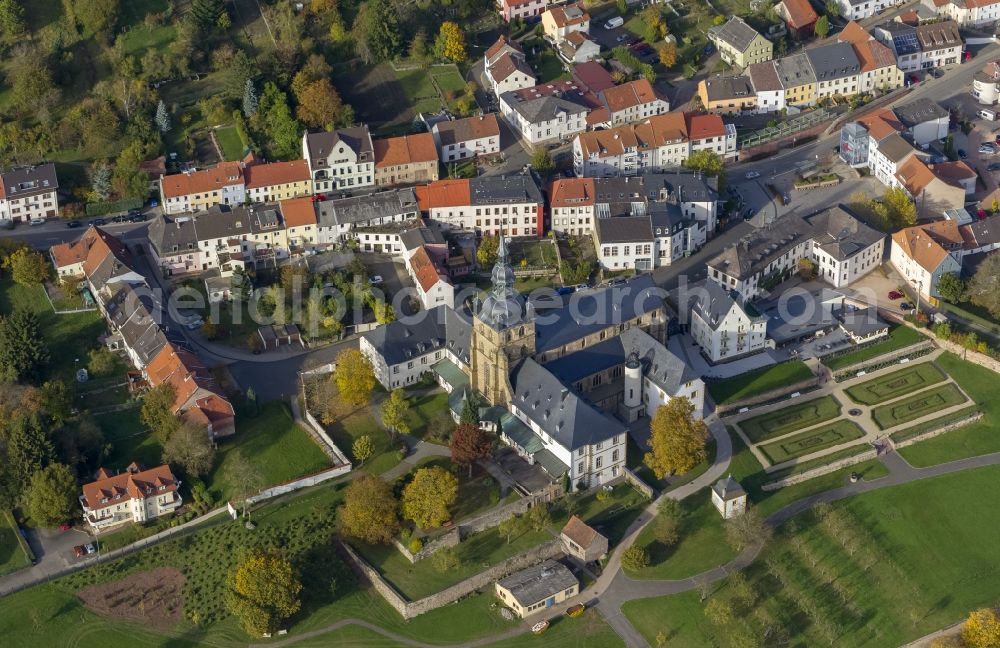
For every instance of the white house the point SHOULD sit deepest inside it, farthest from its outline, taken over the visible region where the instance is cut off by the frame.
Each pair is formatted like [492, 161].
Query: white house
[340, 160]
[860, 9]
[544, 118]
[921, 254]
[432, 284]
[135, 495]
[986, 83]
[29, 194]
[631, 102]
[966, 14]
[486, 205]
[722, 326]
[843, 248]
[729, 498]
[767, 85]
[462, 139]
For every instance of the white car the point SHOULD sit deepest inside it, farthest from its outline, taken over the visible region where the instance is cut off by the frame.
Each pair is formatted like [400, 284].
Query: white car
[194, 323]
[750, 175]
[376, 280]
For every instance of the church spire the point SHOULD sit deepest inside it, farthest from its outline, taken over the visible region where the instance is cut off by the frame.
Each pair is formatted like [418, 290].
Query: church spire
[504, 306]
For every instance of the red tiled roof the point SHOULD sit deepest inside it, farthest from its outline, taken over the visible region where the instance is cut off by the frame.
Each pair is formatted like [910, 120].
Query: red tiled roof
[800, 13]
[423, 269]
[571, 192]
[628, 95]
[408, 149]
[140, 484]
[498, 46]
[579, 532]
[298, 211]
[276, 173]
[103, 245]
[704, 126]
[881, 124]
[444, 193]
[206, 180]
[593, 75]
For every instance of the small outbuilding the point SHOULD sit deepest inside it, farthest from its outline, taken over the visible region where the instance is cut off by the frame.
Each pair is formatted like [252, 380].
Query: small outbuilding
[583, 541]
[536, 588]
[729, 498]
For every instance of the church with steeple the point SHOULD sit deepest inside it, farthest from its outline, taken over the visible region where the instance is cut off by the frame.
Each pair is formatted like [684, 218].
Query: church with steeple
[560, 383]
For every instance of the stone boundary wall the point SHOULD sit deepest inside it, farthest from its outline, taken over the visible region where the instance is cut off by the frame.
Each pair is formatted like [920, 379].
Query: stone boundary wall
[636, 482]
[769, 397]
[922, 348]
[819, 471]
[930, 434]
[815, 185]
[411, 609]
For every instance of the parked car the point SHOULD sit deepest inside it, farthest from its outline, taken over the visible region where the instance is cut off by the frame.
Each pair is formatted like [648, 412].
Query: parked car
[895, 294]
[913, 79]
[376, 280]
[709, 49]
[906, 306]
[937, 73]
[750, 175]
[84, 550]
[74, 224]
[137, 218]
[99, 221]
[564, 290]
[786, 199]
[987, 148]
[65, 526]
[962, 155]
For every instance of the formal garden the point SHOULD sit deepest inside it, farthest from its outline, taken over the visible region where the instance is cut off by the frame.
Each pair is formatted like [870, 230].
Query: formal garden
[899, 383]
[790, 418]
[813, 440]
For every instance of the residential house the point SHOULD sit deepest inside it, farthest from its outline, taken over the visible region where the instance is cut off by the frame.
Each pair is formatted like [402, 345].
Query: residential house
[797, 78]
[560, 21]
[843, 248]
[571, 206]
[534, 589]
[837, 70]
[582, 541]
[192, 191]
[727, 94]
[770, 94]
[886, 158]
[134, 320]
[276, 180]
[341, 160]
[710, 133]
[924, 119]
[301, 224]
[542, 118]
[957, 173]
[29, 194]
[431, 282]
[68, 258]
[462, 139]
[723, 326]
[527, 10]
[729, 498]
[922, 46]
[337, 219]
[408, 159]
[578, 47]
[135, 495]
[625, 242]
[921, 254]
[739, 44]
[967, 13]
[630, 102]
[986, 82]
[591, 77]
[878, 64]
[860, 9]
[799, 16]
[932, 193]
[487, 205]
[506, 68]
[197, 398]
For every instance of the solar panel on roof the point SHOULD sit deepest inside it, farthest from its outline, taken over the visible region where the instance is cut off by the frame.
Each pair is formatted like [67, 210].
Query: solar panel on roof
[906, 43]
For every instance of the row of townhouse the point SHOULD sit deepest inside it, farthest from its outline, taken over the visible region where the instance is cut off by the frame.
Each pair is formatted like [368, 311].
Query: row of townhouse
[660, 142]
[490, 205]
[842, 248]
[967, 13]
[638, 223]
[921, 46]
[29, 194]
[925, 252]
[856, 63]
[890, 143]
[134, 315]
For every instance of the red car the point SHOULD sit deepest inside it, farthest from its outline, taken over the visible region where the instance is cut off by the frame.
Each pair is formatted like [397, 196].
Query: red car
[895, 294]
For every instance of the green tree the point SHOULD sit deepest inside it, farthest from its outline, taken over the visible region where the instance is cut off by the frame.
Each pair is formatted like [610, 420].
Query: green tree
[27, 267]
[469, 444]
[205, 14]
[709, 163]
[822, 27]
[635, 558]
[263, 592]
[470, 409]
[243, 477]
[162, 118]
[900, 210]
[369, 511]
[394, 411]
[354, 377]
[98, 16]
[541, 161]
[486, 252]
[376, 31]
[951, 287]
[538, 517]
[274, 119]
[319, 105]
[984, 287]
[678, 439]
[511, 527]
[189, 447]
[427, 497]
[832, 8]
[667, 527]
[446, 560]
[52, 495]
[362, 449]
[29, 449]
[418, 49]
[12, 21]
[23, 350]
[719, 612]
[157, 411]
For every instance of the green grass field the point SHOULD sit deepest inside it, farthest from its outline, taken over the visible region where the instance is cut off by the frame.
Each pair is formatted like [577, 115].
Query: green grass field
[790, 418]
[899, 337]
[611, 516]
[917, 406]
[908, 560]
[757, 382]
[448, 78]
[979, 438]
[230, 143]
[805, 443]
[896, 384]
[12, 556]
[702, 544]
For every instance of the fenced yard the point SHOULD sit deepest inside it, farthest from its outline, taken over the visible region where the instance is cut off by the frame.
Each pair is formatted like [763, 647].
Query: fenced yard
[896, 384]
[805, 443]
[388, 99]
[914, 407]
[791, 418]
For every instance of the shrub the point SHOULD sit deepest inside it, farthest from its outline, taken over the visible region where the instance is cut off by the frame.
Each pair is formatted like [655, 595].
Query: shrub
[635, 558]
[415, 545]
[603, 495]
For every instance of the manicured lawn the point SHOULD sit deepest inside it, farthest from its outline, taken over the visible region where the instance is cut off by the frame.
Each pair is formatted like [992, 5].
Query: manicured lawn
[419, 90]
[427, 413]
[702, 545]
[805, 466]
[644, 473]
[920, 561]
[937, 423]
[475, 494]
[757, 382]
[230, 142]
[347, 429]
[130, 440]
[916, 406]
[899, 337]
[979, 438]
[790, 418]
[896, 384]
[611, 516]
[448, 78]
[12, 556]
[535, 253]
[274, 444]
[815, 440]
[420, 579]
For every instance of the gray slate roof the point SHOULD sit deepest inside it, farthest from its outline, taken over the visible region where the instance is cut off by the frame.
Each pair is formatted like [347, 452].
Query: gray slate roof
[833, 61]
[840, 234]
[736, 33]
[356, 138]
[728, 489]
[794, 70]
[543, 109]
[30, 180]
[535, 584]
[895, 147]
[559, 411]
[862, 322]
[712, 302]
[488, 190]
[728, 86]
[414, 238]
[371, 207]
[920, 111]
[755, 251]
[425, 332]
[624, 229]
[135, 317]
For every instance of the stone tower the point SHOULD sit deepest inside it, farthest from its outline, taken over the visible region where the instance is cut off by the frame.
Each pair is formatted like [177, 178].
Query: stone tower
[503, 332]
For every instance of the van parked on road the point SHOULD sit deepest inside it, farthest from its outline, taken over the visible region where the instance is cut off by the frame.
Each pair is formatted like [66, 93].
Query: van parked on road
[986, 113]
[617, 21]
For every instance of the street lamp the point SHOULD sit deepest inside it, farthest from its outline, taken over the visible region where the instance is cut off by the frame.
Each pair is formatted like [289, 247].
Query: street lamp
[918, 284]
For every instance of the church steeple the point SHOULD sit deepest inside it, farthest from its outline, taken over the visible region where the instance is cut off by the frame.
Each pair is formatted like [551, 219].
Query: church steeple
[504, 306]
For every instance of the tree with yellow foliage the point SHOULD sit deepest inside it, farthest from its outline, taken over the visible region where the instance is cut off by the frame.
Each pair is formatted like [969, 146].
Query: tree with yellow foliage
[369, 511]
[668, 55]
[354, 377]
[678, 439]
[450, 43]
[981, 629]
[426, 499]
[263, 591]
